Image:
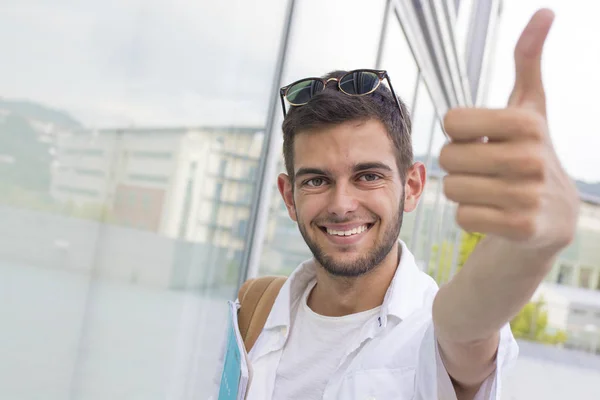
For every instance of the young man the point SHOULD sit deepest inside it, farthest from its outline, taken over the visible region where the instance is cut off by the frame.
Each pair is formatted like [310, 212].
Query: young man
[360, 320]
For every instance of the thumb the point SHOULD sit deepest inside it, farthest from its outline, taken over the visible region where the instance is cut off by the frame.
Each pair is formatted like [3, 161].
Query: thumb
[529, 90]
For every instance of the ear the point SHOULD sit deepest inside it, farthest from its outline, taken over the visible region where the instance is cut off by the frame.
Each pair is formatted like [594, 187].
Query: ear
[413, 188]
[284, 184]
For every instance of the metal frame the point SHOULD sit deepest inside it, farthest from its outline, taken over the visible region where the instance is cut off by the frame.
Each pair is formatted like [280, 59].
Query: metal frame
[409, 23]
[489, 50]
[383, 34]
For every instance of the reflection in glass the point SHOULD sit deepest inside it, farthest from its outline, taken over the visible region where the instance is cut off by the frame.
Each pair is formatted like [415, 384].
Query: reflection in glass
[125, 185]
[284, 249]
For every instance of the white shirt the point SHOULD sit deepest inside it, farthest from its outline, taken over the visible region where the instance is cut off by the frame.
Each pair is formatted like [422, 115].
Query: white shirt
[314, 349]
[395, 355]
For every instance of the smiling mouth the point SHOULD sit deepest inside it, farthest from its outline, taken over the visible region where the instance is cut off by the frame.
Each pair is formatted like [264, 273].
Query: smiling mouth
[351, 232]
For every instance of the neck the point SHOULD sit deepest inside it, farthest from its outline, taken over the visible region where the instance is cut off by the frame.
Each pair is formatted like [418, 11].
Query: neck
[336, 296]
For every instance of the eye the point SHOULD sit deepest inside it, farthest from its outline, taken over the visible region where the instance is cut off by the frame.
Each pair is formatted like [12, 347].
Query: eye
[369, 177]
[315, 182]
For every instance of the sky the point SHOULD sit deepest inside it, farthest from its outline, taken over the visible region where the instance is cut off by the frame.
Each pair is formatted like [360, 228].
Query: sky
[179, 62]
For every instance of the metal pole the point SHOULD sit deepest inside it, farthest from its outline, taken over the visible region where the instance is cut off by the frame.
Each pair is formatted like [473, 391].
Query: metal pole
[261, 198]
[382, 36]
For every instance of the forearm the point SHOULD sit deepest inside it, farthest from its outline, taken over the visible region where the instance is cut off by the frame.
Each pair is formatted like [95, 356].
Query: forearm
[497, 280]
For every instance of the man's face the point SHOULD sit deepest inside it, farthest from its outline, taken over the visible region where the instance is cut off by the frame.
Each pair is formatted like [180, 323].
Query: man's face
[348, 198]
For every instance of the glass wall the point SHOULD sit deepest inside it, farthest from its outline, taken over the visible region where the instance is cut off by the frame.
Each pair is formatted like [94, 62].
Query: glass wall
[130, 135]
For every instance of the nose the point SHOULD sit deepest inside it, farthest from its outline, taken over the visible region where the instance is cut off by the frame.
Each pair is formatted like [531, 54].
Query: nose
[342, 201]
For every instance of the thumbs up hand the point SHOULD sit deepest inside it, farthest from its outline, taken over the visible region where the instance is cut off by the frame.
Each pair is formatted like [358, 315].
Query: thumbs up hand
[502, 168]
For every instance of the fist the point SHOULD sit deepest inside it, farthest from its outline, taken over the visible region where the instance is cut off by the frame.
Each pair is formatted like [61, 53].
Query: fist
[502, 168]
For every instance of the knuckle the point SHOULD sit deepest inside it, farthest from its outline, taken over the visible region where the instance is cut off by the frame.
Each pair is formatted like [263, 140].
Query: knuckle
[449, 187]
[533, 197]
[524, 225]
[530, 160]
[449, 120]
[445, 156]
[463, 218]
[531, 124]
[527, 196]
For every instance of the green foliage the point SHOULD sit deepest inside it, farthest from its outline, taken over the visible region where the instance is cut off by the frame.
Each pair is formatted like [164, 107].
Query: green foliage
[468, 243]
[531, 323]
[31, 158]
[91, 211]
[440, 264]
[18, 197]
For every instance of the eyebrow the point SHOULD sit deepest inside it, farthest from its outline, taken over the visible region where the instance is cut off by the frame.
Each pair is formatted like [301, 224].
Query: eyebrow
[356, 168]
[312, 171]
[371, 165]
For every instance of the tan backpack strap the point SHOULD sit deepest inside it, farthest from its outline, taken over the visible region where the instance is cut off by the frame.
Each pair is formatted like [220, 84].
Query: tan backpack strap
[256, 297]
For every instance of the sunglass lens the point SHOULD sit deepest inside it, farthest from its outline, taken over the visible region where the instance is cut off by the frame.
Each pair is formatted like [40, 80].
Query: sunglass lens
[359, 82]
[303, 91]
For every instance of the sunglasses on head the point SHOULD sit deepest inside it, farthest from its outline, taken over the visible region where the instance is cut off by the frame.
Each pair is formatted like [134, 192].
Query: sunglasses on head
[359, 82]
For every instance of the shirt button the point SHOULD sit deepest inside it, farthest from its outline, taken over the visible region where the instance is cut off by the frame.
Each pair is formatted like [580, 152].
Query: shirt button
[284, 330]
[371, 398]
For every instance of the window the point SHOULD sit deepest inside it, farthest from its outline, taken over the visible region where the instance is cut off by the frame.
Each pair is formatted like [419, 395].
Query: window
[585, 277]
[578, 311]
[565, 275]
[242, 225]
[149, 178]
[89, 172]
[164, 155]
[76, 190]
[84, 152]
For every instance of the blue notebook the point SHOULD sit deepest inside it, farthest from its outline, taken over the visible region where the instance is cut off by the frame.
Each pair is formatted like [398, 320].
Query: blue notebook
[235, 379]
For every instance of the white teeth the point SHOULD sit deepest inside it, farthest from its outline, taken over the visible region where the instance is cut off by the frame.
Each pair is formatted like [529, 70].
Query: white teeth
[350, 232]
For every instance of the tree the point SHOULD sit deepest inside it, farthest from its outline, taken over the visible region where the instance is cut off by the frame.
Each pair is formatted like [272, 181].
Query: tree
[531, 323]
[440, 264]
[467, 244]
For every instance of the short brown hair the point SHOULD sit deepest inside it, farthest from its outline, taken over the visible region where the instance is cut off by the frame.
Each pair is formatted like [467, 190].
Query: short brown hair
[332, 107]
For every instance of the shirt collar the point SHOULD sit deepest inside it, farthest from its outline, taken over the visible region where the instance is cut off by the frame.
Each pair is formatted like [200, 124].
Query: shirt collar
[409, 291]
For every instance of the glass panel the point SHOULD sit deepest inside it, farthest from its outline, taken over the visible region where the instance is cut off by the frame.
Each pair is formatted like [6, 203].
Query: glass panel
[320, 42]
[398, 60]
[340, 35]
[129, 143]
[436, 250]
[415, 231]
[446, 235]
